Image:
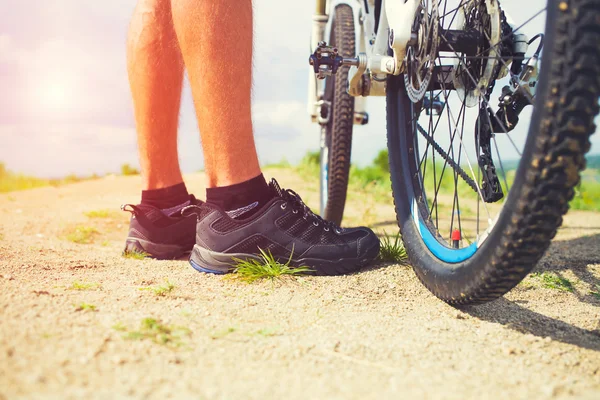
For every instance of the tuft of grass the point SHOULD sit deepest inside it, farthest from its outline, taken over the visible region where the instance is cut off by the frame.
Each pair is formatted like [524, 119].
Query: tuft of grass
[100, 213]
[553, 281]
[161, 290]
[119, 326]
[155, 331]
[266, 332]
[596, 291]
[223, 333]
[82, 234]
[85, 307]
[135, 254]
[128, 170]
[251, 270]
[84, 286]
[392, 250]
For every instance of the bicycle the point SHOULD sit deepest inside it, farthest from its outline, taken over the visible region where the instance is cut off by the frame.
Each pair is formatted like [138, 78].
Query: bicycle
[488, 122]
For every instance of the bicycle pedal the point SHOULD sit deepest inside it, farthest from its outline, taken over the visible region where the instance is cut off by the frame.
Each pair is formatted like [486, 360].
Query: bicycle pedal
[325, 60]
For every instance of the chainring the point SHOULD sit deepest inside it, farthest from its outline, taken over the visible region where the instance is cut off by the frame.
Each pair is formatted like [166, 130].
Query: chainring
[420, 58]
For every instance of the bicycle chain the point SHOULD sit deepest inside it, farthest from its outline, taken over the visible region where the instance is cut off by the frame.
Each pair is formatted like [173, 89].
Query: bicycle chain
[457, 168]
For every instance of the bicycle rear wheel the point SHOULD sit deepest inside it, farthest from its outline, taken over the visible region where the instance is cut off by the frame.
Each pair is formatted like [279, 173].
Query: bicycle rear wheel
[479, 195]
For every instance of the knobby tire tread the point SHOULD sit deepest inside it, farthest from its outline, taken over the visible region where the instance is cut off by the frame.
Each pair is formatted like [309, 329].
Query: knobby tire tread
[341, 124]
[558, 158]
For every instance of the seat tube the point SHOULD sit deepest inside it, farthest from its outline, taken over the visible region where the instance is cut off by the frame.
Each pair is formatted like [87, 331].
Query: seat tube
[321, 7]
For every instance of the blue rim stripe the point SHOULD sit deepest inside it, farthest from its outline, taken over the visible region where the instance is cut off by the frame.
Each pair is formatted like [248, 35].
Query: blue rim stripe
[446, 254]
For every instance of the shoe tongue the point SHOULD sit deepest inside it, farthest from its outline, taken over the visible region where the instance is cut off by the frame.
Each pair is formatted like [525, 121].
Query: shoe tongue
[275, 187]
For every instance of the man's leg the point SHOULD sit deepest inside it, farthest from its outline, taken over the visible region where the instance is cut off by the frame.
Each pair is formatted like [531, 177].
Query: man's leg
[155, 67]
[216, 41]
[215, 37]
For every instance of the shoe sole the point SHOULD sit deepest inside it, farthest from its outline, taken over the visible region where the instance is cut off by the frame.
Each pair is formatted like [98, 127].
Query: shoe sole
[204, 260]
[155, 250]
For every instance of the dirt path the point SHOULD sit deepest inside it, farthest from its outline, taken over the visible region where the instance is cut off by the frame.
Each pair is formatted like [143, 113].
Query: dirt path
[377, 334]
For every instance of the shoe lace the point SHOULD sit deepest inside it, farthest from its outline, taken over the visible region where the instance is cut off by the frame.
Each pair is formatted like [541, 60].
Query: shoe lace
[298, 205]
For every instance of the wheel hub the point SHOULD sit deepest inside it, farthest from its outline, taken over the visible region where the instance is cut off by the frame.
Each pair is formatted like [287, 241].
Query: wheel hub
[421, 56]
[473, 75]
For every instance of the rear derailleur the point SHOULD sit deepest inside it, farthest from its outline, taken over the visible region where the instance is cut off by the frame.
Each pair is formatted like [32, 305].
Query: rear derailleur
[514, 98]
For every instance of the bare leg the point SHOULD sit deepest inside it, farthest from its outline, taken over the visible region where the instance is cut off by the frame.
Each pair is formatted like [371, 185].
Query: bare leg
[155, 67]
[215, 37]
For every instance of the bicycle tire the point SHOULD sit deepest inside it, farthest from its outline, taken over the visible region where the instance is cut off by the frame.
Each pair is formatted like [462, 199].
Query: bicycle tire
[563, 120]
[336, 146]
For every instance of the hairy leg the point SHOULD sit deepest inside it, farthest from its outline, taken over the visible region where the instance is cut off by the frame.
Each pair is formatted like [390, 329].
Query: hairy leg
[215, 37]
[155, 67]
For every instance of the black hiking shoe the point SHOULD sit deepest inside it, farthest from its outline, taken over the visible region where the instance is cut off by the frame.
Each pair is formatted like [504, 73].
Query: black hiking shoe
[286, 228]
[160, 234]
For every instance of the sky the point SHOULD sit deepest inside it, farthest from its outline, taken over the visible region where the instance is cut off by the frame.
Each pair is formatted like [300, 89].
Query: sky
[65, 105]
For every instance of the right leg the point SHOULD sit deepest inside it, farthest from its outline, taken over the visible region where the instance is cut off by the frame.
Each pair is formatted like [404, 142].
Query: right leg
[155, 67]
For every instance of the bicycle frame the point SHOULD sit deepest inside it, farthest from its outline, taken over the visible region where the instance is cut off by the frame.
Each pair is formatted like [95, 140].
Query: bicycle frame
[394, 31]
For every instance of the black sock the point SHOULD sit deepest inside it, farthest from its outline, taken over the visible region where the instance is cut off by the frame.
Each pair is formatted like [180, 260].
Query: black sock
[165, 198]
[242, 199]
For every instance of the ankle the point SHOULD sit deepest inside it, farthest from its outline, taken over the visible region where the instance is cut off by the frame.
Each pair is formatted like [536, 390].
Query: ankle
[167, 197]
[242, 199]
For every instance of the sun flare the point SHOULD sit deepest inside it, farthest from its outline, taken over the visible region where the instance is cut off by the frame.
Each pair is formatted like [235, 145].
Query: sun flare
[55, 96]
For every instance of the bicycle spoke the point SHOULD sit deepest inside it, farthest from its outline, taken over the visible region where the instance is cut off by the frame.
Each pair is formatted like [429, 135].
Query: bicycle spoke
[471, 169]
[436, 186]
[476, 84]
[502, 39]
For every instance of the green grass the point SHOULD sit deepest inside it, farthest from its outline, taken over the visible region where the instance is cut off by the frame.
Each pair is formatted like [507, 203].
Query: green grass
[11, 181]
[221, 334]
[251, 270]
[128, 170]
[100, 213]
[266, 332]
[85, 307]
[392, 250]
[82, 234]
[84, 286]
[161, 290]
[119, 326]
[308, 168]
[155, 331]
[552, 281]
[135, 254]
[587, 196]
[595, 291]
[375, 179]
[281, 164]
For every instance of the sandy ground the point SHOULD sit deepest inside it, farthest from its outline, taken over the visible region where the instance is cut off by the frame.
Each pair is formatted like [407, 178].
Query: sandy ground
[376, 334]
